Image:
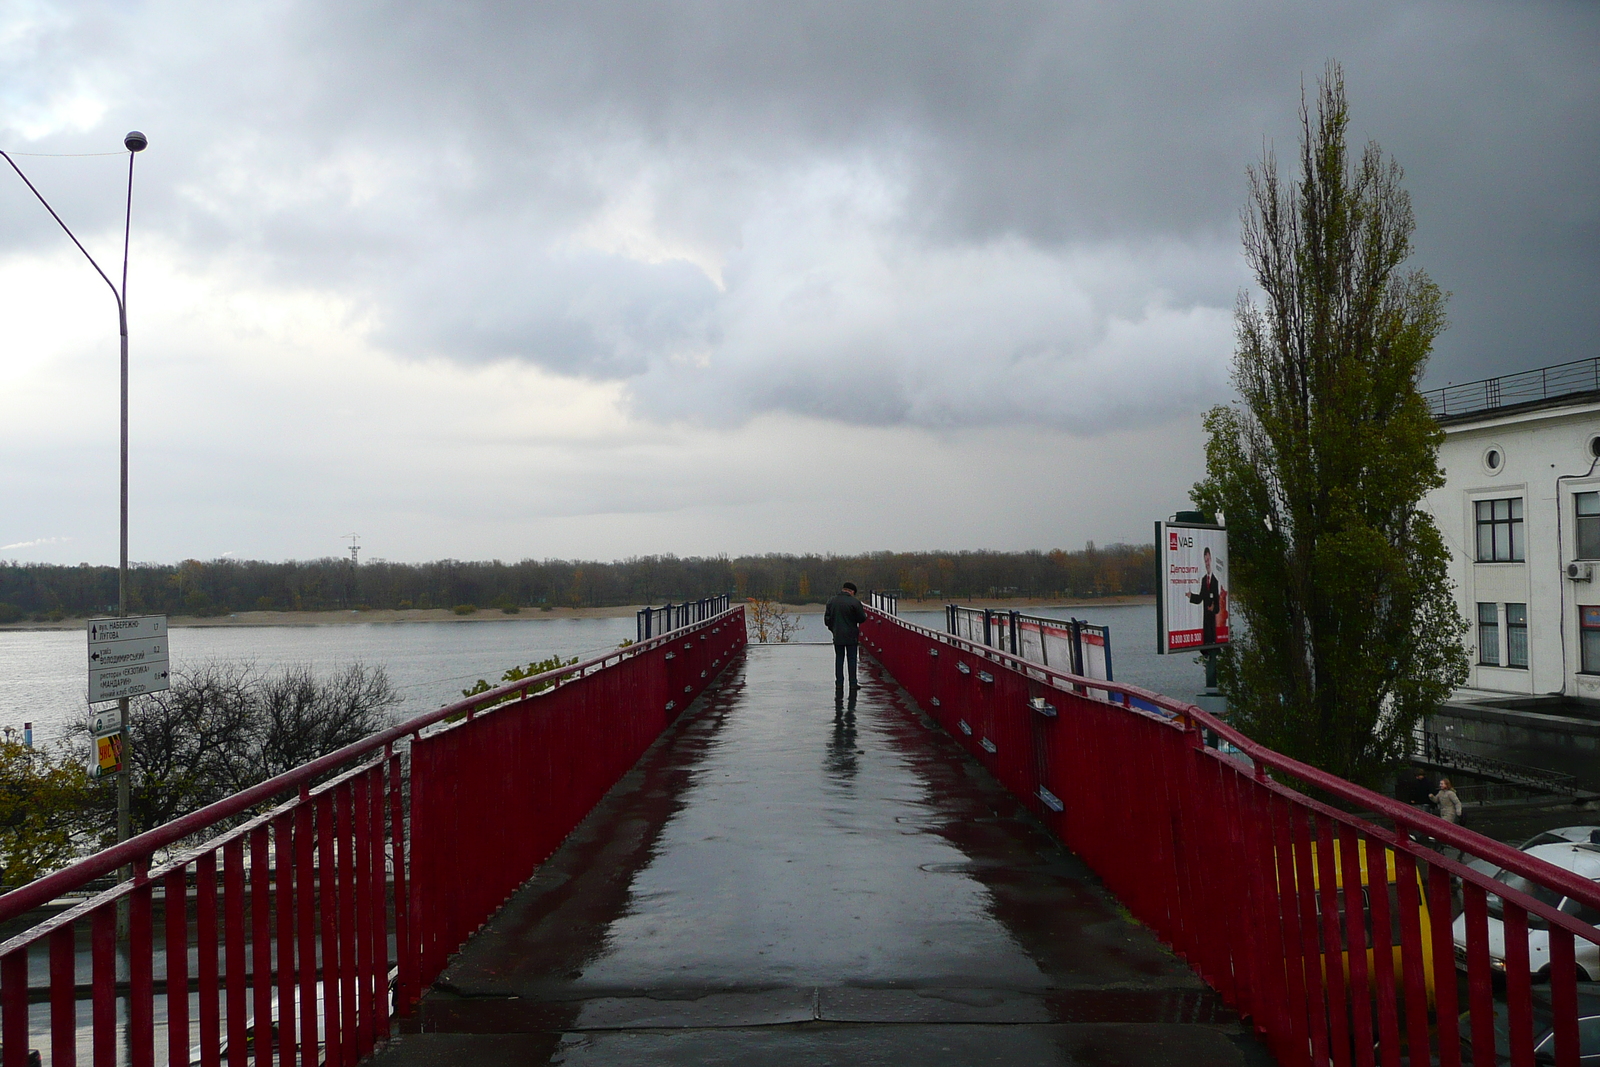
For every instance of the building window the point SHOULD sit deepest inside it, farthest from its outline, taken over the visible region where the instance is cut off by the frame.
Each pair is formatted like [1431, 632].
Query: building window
[1500, 531]
[1589, 621]
[1516, 635]
[1587, 505]
[1489, 635]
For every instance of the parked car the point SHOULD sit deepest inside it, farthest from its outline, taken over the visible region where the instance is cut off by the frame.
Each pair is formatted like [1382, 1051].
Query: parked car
[1583, 859]
[1590, 834]
[1544, 1049]
[1424, 926]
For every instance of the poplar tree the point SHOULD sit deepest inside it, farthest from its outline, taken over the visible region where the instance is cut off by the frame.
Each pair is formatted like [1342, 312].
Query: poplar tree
[1350, 631]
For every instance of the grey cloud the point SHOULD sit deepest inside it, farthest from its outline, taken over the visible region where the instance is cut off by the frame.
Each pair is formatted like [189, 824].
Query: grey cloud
[464, 170]
[583, 314]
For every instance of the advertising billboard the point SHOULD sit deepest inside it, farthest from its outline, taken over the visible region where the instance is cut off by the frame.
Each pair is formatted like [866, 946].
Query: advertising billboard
[1192, 594]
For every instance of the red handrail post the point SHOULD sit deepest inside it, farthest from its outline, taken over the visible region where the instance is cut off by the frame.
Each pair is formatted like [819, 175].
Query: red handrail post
[284, 859]
[233, 952]
[1480, 995]
[328, 928]
[64, 996]
[205, 925]
[261, 941]
[361, 903]
[14, 1006]
[405, 952]
[103, 950]
[141, 994]
[345, 875]
[175, 905]
[1446, 1005]
[305, 918]
[378, 924]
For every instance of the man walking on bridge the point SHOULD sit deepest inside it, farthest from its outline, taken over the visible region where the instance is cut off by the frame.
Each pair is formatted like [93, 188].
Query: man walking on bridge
[844, 616]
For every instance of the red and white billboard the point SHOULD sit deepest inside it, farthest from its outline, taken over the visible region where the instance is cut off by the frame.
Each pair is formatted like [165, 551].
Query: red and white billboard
[1192, 597]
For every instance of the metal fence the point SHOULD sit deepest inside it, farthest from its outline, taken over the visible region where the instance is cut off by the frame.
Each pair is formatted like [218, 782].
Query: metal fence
[653, 622]
[1252, 881]
[1442, 753]
[293, 937]
[1074, 646]
[1546, 383]
[885, 600]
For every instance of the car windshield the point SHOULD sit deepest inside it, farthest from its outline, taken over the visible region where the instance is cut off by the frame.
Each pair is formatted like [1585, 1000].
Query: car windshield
[1513, 880]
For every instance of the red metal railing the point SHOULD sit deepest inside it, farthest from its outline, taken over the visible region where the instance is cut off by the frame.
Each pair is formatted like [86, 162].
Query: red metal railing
[328, 912]
[1229, 865]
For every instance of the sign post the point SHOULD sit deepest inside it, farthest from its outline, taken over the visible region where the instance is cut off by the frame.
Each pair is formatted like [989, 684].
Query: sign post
[1192, 591]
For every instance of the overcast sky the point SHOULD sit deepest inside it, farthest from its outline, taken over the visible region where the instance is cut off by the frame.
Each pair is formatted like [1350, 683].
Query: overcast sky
[600, 279]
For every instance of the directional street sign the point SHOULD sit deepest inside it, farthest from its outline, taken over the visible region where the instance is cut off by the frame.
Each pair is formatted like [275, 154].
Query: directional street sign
[104, 631]
[127, 657]
[119, 682]
[125, 653]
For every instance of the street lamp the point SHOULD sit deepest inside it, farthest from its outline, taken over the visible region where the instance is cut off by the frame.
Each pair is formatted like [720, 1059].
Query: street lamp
[135, 142]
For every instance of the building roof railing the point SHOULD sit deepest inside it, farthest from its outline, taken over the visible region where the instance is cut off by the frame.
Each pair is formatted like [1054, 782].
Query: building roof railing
[1515, 390]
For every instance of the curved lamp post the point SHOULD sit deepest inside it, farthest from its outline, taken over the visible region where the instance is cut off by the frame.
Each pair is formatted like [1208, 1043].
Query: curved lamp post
[135, 142]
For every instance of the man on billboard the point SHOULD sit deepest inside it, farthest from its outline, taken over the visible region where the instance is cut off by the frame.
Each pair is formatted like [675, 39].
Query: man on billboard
[1210, 600]
[1192, 609]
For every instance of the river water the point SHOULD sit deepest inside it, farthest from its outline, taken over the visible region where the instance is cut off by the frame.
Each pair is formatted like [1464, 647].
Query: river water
[43, 673]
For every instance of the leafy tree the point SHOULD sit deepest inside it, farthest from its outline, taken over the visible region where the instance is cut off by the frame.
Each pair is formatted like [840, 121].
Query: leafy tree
[44, 800]
[1350, 630]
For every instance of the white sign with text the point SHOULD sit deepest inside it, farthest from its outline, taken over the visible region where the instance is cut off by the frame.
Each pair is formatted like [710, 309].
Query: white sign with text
[127, 657]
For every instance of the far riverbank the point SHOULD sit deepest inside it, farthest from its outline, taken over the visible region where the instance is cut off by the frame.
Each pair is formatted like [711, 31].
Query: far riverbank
[620, 611]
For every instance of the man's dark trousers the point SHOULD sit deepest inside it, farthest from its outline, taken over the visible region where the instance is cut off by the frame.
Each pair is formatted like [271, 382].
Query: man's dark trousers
[843, 617]
[841, 653]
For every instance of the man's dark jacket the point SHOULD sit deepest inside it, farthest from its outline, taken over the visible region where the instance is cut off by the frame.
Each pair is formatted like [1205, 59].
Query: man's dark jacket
[844, 616]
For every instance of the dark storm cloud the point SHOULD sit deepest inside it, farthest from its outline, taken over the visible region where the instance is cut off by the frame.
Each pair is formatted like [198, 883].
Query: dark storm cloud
[938, 214]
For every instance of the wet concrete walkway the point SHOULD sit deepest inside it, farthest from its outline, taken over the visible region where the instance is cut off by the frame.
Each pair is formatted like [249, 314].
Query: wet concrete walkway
[793, 877]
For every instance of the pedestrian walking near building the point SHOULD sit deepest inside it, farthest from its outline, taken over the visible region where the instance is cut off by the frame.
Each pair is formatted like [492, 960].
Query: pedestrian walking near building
[844, 616]
[1415, 791]
[1449, 803]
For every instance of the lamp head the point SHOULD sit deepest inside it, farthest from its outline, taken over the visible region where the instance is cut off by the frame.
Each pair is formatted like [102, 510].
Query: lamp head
[135, 141]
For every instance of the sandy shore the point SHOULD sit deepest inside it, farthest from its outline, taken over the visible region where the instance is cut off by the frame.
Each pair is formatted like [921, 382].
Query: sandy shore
[486, 615]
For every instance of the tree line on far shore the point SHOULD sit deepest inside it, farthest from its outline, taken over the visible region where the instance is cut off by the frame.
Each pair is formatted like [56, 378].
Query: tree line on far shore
[41, 591]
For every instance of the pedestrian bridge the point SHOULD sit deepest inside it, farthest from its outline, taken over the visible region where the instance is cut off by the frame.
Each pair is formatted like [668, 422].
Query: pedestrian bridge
[796, 874]
[697, 851]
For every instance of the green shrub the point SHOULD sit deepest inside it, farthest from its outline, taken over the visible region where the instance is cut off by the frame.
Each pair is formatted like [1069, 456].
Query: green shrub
[515, 674]
[465, 609]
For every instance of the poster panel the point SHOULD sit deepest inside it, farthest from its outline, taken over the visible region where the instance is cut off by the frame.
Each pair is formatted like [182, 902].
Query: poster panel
[1192, 595]
[107, 757]
[1095, 647]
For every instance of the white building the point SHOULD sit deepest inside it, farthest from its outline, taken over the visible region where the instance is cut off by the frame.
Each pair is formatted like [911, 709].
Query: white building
[1520, 510]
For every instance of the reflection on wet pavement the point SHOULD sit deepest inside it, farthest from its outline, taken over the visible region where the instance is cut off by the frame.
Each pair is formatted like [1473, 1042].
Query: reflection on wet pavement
[798, 875]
